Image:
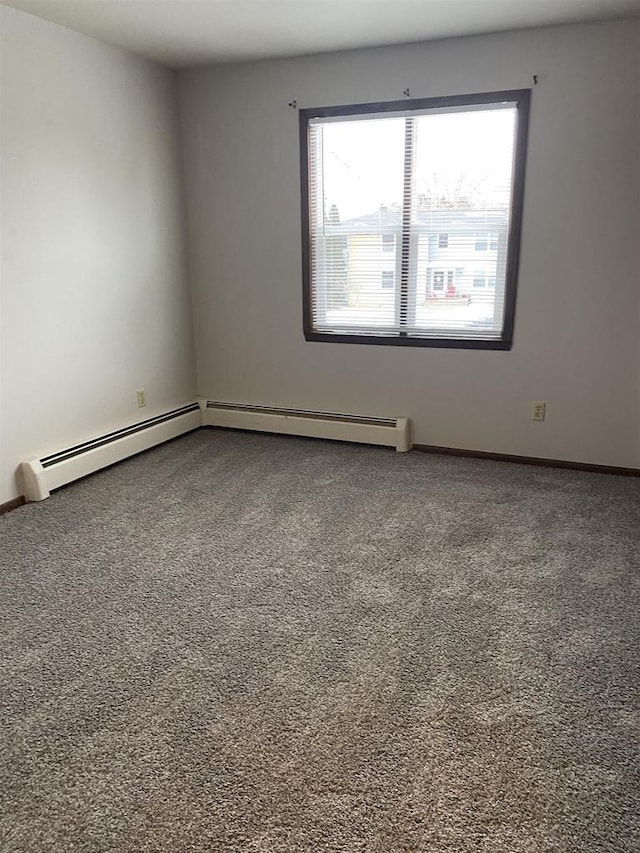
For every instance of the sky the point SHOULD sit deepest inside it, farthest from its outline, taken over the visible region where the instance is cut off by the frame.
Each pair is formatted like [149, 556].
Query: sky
[363, 158]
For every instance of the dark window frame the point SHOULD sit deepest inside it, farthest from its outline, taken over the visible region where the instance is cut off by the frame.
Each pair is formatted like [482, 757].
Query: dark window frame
[522, 99]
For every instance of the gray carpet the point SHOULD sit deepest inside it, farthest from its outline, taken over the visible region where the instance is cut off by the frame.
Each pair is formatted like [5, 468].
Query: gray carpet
[248, 643]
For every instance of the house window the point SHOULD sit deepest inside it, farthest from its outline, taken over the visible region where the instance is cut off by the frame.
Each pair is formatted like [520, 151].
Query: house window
[388, 242]
[412, 177]
[486, 241]
[479, 278]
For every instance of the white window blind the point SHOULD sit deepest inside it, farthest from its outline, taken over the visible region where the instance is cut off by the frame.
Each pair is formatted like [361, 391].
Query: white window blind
[409, 219]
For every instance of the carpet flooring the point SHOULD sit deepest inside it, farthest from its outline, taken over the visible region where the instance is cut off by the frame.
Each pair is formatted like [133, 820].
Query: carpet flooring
[241, 642]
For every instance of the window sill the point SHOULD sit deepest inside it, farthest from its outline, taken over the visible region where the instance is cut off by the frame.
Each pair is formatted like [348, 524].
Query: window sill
[411, 341]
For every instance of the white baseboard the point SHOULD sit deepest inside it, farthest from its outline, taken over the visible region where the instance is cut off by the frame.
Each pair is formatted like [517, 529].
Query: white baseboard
[41, 475]
[391, 432]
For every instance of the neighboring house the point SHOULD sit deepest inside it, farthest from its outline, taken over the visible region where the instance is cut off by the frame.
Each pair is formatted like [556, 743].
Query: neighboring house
[459, 254]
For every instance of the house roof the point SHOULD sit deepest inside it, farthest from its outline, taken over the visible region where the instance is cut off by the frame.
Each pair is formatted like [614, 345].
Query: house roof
[449, 221]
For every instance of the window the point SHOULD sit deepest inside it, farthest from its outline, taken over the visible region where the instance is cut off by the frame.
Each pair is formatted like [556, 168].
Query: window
[388, 242]
[487, 241]
[413, 177]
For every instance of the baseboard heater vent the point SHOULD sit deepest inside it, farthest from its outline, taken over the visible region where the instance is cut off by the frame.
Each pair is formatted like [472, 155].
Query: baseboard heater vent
[392, 432]
[42, 475]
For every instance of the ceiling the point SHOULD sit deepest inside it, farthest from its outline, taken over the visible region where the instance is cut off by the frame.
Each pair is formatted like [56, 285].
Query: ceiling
[182, 33]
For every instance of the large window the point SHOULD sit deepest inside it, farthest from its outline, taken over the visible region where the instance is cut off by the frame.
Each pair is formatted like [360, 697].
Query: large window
[438, 183]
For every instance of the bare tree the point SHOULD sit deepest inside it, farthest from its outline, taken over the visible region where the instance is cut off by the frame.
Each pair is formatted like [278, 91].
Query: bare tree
[459, 191]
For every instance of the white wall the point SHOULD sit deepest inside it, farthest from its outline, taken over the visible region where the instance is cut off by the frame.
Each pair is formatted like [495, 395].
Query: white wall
[577, 335]
[94, 295]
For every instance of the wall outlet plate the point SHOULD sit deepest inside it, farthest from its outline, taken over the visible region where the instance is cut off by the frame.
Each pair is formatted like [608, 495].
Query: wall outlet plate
[141, 397]
[538, 411]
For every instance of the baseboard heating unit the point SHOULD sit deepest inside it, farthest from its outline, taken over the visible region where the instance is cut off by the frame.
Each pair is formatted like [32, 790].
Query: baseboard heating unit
[392, 432]
[57, 469]
[43, 474]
